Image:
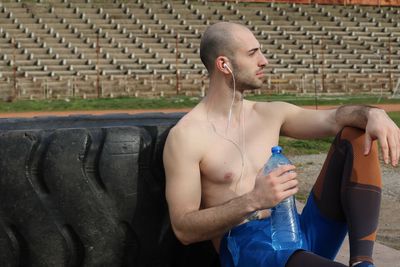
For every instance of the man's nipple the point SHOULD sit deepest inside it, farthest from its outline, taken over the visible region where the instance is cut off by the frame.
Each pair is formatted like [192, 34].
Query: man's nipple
[228, 176]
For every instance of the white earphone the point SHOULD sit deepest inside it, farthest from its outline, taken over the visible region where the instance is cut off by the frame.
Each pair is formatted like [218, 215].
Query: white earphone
[227, 67]
[242, 150]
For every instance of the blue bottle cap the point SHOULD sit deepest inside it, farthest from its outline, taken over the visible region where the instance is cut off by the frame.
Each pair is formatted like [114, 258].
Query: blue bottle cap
[276, 149]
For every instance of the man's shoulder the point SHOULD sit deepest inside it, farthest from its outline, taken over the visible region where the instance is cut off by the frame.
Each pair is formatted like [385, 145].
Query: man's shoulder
[188, 138]
[269, 106]
[191, 121]
[188, 127]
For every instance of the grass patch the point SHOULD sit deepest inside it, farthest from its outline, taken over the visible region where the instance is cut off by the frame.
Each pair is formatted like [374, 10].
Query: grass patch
[395, 116]
[305, 147]
[168, 102]
[99, 104]
[301, 197]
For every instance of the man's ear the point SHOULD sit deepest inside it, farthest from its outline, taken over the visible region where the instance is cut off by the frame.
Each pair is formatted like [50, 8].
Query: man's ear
[222, 64]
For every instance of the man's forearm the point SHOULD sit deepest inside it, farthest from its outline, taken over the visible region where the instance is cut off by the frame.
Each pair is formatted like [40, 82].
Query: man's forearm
[353, 115]
[213, 222]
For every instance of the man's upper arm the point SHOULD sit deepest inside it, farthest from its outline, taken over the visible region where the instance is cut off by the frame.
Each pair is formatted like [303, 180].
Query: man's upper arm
[307, 123]
[183, 184]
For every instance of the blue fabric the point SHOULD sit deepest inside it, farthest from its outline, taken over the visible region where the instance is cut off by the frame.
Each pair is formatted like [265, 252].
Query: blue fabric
[323, 236]
[249, 244]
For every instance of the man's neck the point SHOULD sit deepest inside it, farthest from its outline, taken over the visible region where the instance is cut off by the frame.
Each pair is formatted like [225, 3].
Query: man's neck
[219, 101]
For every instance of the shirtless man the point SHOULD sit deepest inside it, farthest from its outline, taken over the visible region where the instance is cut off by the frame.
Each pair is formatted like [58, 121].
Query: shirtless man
[214, 154]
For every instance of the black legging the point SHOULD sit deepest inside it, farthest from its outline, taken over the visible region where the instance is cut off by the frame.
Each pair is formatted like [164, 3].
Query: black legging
[348, 189]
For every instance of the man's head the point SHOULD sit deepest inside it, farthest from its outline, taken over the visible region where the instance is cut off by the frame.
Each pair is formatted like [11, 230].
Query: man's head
[218, 40]
[236, 46]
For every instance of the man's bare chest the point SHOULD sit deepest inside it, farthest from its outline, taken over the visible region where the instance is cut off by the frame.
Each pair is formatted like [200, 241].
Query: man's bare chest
[227, 158]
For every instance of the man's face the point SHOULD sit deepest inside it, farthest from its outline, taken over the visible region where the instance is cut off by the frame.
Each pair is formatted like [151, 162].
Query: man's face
[248, 62]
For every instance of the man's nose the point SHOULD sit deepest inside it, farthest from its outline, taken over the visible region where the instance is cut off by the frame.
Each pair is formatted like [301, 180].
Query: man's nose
[263, 61]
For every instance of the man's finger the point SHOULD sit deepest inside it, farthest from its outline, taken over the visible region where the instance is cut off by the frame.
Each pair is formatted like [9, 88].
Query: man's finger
[287, 176]
[395, 161]
[289, 193]
[393, 149]
[398, 147]
[385, 149]
[367, 144]
[283, 168]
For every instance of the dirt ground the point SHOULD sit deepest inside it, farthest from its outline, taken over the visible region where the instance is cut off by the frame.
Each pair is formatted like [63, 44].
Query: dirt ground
[308, 169]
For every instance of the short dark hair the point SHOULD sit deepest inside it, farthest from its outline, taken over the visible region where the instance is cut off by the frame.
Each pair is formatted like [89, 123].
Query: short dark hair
[217, 40]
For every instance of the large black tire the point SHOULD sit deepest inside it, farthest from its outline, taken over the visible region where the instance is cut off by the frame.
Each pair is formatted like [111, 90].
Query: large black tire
[88, 191]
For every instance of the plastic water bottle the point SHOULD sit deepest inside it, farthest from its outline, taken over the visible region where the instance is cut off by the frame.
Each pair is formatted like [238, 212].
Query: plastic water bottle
[285, 226]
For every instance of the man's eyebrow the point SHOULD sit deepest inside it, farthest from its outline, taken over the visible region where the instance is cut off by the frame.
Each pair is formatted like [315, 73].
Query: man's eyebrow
[254, 49]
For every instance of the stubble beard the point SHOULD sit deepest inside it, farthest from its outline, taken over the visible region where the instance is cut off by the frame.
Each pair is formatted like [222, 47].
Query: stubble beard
[248, 83]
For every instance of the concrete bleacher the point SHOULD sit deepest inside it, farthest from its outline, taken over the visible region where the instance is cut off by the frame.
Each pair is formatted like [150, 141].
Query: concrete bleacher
[45, 43]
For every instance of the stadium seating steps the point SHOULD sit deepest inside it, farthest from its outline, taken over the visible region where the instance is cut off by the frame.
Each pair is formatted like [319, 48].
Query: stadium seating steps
[60, 49]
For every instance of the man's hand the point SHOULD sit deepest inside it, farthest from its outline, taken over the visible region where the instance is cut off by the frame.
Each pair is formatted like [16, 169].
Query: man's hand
[380, 126]
[279, 184]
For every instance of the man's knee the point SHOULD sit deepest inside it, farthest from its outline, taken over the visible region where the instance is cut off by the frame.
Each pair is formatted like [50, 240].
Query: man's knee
[366, 167]
[356, 137]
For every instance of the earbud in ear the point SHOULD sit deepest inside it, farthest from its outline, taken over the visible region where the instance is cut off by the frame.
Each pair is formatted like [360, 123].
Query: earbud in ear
[227, 67]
